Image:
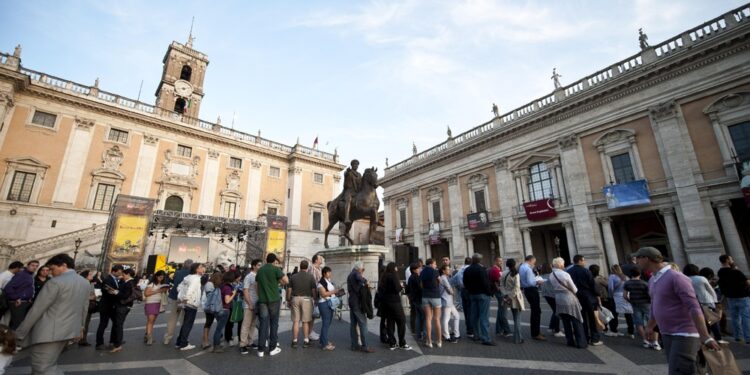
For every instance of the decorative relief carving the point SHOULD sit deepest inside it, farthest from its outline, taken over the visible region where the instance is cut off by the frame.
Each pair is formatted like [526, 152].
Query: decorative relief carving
[501, 163]
[233, 181]
[177, 172]
[415, 192]
[255, 163]
[663, 111]
[727, 102]
[84, 123]
[336, 178]
[477, 179]
[112, 158]
[150, 139]
[297, 170]
[402, 202]
[615, 136]
[453, 180]
[434, 192]
[7, 98]
[213, 154]
[568, 141]
[386, 200]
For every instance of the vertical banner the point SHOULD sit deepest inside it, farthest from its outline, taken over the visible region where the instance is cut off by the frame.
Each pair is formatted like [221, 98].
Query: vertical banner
[276, 237]
[127, 231]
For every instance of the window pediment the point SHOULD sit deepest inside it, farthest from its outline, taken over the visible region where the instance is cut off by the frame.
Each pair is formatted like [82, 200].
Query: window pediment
[477, 180]
[107, 174]
[27, 161]
[316, 206]
[614, 137]
[434, 193]
[532, 159]
[728, 102]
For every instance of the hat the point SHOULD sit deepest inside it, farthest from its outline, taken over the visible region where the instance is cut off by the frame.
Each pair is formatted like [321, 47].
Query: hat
[650, 253]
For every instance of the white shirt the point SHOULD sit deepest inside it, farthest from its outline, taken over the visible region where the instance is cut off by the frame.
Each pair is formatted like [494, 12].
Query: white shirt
[407, 273]
[5, 277]
[329, 288]
[249, 285]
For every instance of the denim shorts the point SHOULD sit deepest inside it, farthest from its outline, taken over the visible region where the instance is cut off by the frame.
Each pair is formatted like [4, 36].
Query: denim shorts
[641, 314]
[432, 302]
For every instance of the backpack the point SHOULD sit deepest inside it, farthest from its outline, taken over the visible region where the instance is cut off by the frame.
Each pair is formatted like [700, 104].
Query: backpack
[213, 303]
[135, 295]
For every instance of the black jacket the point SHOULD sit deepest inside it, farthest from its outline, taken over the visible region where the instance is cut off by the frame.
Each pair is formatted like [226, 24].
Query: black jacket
[584, 281]
[365, 302]
[126, 292]
[109, 301]
[477, 280]
[414, 289]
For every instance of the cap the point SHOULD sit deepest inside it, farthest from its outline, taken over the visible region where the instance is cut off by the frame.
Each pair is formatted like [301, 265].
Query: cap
[650, 253]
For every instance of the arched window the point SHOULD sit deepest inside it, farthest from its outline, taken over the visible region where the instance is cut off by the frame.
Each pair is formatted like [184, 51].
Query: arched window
[173, 203]
[186, 72]
[179, 105]
[540, 182]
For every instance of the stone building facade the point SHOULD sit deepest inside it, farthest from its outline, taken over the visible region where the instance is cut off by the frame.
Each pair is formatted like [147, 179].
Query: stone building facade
[674, 118]
[68, 149]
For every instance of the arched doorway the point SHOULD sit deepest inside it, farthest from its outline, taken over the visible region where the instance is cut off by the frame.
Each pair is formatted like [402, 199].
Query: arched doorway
[173, 203]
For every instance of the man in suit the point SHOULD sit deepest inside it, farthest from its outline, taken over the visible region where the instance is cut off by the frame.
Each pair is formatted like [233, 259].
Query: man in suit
[107, 306]
[57, 316]
[587, 296]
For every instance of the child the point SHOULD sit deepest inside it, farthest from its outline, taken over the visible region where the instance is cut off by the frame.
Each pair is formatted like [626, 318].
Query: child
[7, 347]
[636, 292]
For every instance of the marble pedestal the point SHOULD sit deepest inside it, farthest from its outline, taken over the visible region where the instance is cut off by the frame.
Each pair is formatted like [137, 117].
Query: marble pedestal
[341, 260]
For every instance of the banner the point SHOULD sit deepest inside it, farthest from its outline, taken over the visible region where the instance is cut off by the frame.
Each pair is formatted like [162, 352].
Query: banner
[399, 235]
[184, 248]
[276, 240]
[127, 231]
[628, 194]
[127, 241]
[540, 210]
[434, 234]
[478, 220]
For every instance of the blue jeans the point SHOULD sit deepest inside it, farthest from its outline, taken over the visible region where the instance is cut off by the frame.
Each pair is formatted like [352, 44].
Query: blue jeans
[517, 338]
[187, 324]
[574, 332]
[739, 310]
[221, 322]
[466, 303]
[269, 325]
[326, 315]
[480, 309]
[357, 318]
[416, 308]
[501, 322]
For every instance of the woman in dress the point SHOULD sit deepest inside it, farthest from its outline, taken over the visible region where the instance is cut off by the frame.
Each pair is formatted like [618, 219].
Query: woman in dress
[152, 303]
[567, 306]
[616, 288]
[514, 297]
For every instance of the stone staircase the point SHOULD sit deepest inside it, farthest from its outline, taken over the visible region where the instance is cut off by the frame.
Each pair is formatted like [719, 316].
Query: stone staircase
[88, 253]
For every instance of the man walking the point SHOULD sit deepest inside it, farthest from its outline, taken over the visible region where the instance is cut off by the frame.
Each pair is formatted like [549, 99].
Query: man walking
[587, 296]
[269, 278]
[477, 285]
[107, 306]
[676, 311]
[735, 286]
[175, 311]
[249, 302]
[57, 316]
[189, 296]
[20, 292]
[316, 270]
[530, 286]
[356, 285]
[299, 297]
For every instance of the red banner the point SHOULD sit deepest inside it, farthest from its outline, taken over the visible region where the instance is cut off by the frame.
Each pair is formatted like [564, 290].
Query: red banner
[746, 194]
[540, 210]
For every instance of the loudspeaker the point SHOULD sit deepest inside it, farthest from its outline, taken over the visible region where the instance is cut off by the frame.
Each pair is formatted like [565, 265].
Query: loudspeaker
[151, 264]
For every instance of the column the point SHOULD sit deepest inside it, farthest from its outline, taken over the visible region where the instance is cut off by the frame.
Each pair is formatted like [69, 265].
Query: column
[252, 200]
[527, 250]
[6, 113]
[673, 234]
[470, 245]
[457, 218]
[500, 244]
[732, 237]
[525, 186]
[295, 204]
[509, 240]
[519, 190]
[74, 162]
[570, 237]
[416, 214]
[561, 183]
[609, 241]
[144, 170]
[209, 184]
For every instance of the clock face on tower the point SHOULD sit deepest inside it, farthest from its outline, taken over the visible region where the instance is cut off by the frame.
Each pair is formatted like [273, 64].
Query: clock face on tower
[183, 88]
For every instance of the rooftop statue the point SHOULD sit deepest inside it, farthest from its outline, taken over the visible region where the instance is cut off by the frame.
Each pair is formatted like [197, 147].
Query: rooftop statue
[358, 200]
[556, 78]
[642, 39]
[495, 110]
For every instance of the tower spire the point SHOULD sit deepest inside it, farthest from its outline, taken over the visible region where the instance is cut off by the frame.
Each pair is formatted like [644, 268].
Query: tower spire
[190, 36]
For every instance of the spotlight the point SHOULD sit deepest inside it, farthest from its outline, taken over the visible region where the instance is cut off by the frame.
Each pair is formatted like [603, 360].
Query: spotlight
[150, 233]
[231, 239]
[179, 225]
[221, 239]
[163, 236]
[203, 228]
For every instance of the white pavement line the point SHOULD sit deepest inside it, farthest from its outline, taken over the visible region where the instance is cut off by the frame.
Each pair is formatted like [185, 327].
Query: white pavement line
[172, 366]
[402, 367]
[615, 360]
[520, 364]
[373, 326]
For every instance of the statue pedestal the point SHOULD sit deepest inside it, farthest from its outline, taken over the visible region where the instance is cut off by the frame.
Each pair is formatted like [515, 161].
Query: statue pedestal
[341, 260]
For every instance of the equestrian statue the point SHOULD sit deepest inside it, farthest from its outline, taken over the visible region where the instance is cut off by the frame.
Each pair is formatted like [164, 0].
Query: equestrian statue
[357, 201]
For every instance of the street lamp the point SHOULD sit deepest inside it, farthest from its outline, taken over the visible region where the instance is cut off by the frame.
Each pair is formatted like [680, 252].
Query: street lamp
[75, 252]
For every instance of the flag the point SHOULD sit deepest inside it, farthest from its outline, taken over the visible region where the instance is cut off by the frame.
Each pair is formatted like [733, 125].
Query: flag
[315, 143]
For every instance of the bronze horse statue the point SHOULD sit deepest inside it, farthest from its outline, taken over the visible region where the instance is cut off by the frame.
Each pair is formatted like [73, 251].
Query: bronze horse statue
[364, 204]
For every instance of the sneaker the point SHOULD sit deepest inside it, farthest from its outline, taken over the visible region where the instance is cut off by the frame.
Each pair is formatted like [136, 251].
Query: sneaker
[453, 340]
[656, 347]
[187, 347]
[610, 334]
[393, 347]
[244, 350]
[275, 351]
[507, 334]
[254, 346]
[632, 337]
[405, 347]
[261, 354]
[596, 343]
[294, 344]
[646, 344]
[559, 334]
[723, 342]
[306, 344]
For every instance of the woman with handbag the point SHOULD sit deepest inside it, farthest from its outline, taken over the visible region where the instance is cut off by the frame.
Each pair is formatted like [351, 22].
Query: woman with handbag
[615, 286]
[213, 282]
[228, 292]
[327, 303]
[567, 306]
[390, 304]
[152, 296]
[236, 313]
[513, 297]
[707, 298]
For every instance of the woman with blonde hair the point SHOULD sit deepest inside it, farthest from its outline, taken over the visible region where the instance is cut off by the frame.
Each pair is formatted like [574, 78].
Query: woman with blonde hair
[567, 306]
[616, 288]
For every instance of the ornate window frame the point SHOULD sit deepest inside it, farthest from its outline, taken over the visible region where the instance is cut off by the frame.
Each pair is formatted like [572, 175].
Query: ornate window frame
[617, 142]
[435, 194]
[521, 175]
[728, 110]
[272, 203]
[26, 164]
[476, 182]
[30, 117]
[402, 204]
[312, 209]
[109, 173]
[231, 193]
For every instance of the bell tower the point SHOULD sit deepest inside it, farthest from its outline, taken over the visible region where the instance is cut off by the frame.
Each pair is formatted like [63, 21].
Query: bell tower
[181, 86]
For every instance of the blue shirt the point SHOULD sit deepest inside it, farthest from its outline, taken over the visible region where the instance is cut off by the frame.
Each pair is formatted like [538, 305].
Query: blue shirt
[528, 279]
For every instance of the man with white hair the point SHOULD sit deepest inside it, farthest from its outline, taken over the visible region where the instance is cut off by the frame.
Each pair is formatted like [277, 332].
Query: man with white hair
[357, 287]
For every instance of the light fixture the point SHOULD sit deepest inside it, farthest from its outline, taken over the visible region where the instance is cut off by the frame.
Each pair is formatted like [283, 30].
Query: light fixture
[163, 236]
[179, 225]
[231, 239]
[221, 239]
[75, 252]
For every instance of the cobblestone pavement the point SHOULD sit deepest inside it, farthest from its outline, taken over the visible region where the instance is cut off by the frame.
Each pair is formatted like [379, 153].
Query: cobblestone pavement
[619, 355]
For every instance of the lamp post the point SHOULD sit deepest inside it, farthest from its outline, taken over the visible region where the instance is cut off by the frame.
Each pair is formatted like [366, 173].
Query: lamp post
[75, 252]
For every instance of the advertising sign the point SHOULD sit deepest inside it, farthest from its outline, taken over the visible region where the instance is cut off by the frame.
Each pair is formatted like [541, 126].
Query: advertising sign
[628, 194]
[435, 234]
[540, 210]
[276, 240]
[127, 231]
[184, 248]
[478, 220]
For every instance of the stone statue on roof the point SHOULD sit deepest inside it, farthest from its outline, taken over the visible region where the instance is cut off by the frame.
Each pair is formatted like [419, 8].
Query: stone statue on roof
[413, 148]
[495, 110]
[556, 78]
[17, 51]
[642, 39]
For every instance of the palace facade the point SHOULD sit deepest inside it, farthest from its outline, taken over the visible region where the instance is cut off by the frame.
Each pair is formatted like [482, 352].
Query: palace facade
[68, 150]
[648, 151]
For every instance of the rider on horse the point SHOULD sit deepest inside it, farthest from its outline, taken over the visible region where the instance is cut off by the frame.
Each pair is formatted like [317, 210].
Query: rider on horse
[352, 180]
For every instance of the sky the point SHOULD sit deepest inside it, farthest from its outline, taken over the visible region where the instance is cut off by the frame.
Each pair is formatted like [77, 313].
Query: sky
[368, 78]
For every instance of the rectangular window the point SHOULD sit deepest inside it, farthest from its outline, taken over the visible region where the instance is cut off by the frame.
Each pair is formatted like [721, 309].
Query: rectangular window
[274, 172]
[271, 211]
[184, 151]
[230, 209]
[318, 178]
[235, 163]
[436, 211]
[402, 217]
[740, 134]
[622, 168]
[316, 220]
[44, 119]
[104, 195]
[117, 135]
[21, 186]
[479, 200]
[540, 182]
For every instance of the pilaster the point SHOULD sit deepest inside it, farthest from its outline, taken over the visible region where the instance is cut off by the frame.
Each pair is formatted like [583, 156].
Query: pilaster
[74, 163]
[457, 218]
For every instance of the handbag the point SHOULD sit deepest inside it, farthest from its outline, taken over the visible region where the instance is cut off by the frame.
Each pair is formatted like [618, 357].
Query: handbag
[335, 302]
[164, 303]
[710, 315]
[607, 315]
[599, 324]
[237, 313]
[720, 362]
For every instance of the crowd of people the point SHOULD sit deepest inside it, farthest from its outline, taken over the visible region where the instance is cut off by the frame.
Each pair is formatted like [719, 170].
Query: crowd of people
[669, 309]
